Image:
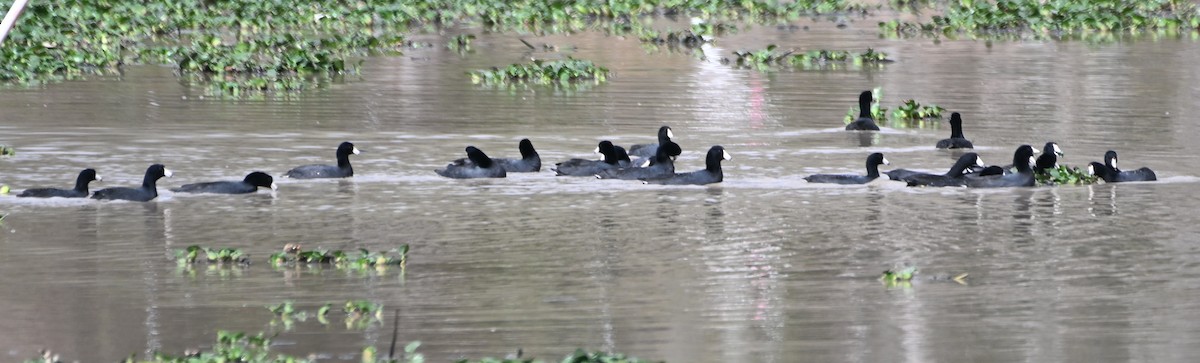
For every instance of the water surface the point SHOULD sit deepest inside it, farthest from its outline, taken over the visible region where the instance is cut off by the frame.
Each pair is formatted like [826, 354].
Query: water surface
[760, 268]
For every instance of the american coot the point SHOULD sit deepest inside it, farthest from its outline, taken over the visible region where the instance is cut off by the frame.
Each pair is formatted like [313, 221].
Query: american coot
[249, 184]
[662, 167]
[81, 188]
[1049, 158]
[650, 150]
[1022, 160]
[1113, 174]
[956, 140]
[864, 121]
[710, 174]
[585, 167]
[481, 166]
[144, 194]
[530, 161]
[342, 170]
[645, 162]
[873, 162]
[952, 178]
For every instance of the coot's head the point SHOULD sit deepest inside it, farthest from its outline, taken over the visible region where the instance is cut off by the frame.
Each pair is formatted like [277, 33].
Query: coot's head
[670, 149]
[478, 157]
[88, 175]
[665, 134]
[865, 98]
[261, 180]
[527, 150]
[156, 171]
[877, 159]
[1110, 159]
[347, 148]
[1023, 158]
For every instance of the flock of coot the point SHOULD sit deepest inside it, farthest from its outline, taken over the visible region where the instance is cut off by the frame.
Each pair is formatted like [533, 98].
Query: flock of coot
[969, 170]
[654, 164]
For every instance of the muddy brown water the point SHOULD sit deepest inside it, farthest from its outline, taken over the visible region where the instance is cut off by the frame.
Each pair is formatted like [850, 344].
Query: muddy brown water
[761, 268]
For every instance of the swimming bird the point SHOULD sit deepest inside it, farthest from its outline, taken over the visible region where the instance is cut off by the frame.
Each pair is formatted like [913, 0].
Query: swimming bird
[481, 166]
[649, 150]
[873, 162]
[1049, 158]
[1113, 174]
[1022, 160]
[864, 121]
[956, 140]
[952, 178]
[81, 188]
[710, 174]
[663, 165]
[586, 167]
[530, 161]
[315, 171]
[145, 193]
[249, 184]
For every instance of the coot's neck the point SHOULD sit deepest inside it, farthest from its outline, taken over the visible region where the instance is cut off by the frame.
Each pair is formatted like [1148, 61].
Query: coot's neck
[713, 165]
[956, 130]
[343, 161]
[1021, 162]
[872, 169]
[864, 108]
[529, 153]
[148, 183]
[482, 162]
[962, 164]
[81, 184]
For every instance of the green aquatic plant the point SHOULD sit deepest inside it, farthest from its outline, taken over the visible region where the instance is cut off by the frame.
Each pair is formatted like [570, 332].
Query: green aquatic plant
[461, 43]
[358, 260]
[6, 150]
[369, 355]
[1065, 175]
[60, 39]
[243, 348]
[699, 34]
[222, 256]
[284, 308]
[1037, 18]
[47, 356]
[766, 59]
[578, 356]
[4, 189]
[913, 110]
[363, 308]
[905, 274]
[543, 72]
[361, 314]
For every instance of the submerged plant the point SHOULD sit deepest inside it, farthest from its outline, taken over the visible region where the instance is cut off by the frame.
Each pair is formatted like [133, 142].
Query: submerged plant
[543, 72]
[1065, 175]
